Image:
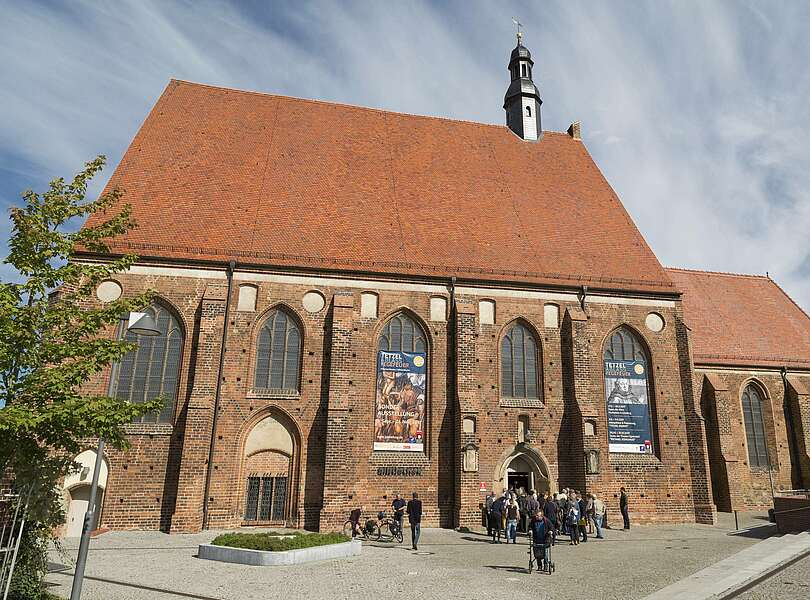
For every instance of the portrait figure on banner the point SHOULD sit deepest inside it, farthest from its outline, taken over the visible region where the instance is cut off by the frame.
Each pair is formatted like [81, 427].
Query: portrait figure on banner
[400, 402]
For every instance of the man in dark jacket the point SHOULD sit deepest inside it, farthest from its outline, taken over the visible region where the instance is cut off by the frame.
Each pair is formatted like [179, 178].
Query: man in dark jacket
[624, 508]
[583, 518]
[415, 519]
[495, 514]
[398, 506]
[551, 511]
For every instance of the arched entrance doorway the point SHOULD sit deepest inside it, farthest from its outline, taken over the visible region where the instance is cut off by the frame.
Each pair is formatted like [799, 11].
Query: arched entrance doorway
[269, 473]
[523, 467]
[77, 487]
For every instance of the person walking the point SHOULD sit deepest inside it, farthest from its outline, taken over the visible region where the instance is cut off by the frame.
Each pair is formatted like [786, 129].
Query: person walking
[495, 512]
[512, 516]
[398, 507]
[415, 519]
[598, 515]
[623, 507]
[540, 530]
[489, 502]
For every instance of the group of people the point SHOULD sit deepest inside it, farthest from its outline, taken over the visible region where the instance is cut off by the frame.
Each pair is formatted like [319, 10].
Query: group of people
[567, 513]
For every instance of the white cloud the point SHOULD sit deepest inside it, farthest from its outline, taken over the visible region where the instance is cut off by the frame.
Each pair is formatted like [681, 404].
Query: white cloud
[695, 111]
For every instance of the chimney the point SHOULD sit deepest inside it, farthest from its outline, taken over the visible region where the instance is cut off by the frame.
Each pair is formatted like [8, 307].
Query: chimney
[575, 130]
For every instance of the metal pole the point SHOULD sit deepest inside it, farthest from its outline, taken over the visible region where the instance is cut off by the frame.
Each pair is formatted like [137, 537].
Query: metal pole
[736, 523]
[89, 517]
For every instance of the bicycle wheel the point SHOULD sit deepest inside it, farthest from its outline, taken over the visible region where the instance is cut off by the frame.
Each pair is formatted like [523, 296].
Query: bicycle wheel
[375, 531]
[348, 528]
[398, 534]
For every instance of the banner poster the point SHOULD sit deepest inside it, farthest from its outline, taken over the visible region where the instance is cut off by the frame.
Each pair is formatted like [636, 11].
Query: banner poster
[628, 407]
[399, 417]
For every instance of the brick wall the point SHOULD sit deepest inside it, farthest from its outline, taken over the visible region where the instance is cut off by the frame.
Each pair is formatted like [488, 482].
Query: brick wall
[159, 481]
[735, 484]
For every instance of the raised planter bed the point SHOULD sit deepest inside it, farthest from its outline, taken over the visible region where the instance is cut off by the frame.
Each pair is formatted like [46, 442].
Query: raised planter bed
[264, 558]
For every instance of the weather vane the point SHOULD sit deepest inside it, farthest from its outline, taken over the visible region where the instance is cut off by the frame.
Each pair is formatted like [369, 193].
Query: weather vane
[519, 25]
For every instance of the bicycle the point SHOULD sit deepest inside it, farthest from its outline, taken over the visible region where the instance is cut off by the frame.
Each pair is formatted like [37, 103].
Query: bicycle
[394, 529]
[368, 530]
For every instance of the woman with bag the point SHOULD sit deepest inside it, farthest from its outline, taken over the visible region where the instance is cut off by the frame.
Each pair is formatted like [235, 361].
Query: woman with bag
[572, 520]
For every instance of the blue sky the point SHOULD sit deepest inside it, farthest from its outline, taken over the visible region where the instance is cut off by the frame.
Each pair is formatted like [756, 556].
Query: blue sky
[696, 111]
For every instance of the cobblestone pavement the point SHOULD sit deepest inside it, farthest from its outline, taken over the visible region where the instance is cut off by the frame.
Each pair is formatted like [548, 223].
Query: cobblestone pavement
[793, 582]
[449, 564]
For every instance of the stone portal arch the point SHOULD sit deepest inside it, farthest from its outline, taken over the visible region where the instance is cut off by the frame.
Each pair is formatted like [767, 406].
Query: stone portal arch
[522, 466]
[269, 475]
[76, 488]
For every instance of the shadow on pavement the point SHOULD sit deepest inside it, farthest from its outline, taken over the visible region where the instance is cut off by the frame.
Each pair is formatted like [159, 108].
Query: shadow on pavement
[140, 587]
[509, 569]
[759, 532]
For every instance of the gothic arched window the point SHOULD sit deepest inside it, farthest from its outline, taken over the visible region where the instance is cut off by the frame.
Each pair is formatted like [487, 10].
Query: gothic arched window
[153, 369]
[754, 427]
[402, 334]
[627, 389]
[519, 364]
[278, 352]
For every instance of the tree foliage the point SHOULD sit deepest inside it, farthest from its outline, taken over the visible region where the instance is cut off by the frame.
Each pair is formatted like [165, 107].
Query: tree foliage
[55, 338]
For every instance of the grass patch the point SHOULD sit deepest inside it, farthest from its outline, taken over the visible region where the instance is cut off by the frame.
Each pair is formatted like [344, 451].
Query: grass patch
[272, 542]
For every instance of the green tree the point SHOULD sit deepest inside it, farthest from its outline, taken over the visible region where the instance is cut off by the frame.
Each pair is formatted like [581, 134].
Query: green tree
[55, 339]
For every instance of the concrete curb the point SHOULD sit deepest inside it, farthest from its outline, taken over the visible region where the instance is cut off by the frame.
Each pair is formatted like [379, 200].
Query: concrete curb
[747, 585]
[740, 572]
[262, 558]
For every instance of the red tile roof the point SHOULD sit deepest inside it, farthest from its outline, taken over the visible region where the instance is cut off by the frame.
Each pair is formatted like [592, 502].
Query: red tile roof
[742, 320]
[219, 174]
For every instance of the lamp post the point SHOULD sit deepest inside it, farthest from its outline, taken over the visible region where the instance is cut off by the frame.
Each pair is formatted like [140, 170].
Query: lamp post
[139, 324]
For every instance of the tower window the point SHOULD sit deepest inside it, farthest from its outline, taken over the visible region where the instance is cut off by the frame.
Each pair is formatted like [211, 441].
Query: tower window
[523, 70]
[528, 111]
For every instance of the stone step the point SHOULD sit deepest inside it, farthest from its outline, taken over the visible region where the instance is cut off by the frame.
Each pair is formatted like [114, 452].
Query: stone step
[725, 577]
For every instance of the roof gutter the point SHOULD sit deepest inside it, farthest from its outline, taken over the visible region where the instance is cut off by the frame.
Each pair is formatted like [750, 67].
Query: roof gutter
[229, 274]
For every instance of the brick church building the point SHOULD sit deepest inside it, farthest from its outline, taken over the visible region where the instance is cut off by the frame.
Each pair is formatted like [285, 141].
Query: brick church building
[356, 303]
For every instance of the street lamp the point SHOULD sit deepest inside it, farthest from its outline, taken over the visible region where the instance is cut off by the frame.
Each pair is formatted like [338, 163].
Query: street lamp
[142, 324]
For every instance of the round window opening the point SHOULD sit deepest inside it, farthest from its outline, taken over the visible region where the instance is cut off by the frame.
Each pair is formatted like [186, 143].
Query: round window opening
[655, 322]
[108, 291]
[313, 302]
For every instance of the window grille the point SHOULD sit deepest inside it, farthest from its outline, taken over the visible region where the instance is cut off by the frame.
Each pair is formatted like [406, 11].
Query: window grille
[519, 364]
[402, 334]
[251, 502]
[152, 370]
[278, 353]
[266, 498]
[754, 427]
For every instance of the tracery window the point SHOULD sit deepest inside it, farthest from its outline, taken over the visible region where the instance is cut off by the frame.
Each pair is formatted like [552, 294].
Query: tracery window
[754, 427]
[278, 352]
[520, 364]
[152, 370]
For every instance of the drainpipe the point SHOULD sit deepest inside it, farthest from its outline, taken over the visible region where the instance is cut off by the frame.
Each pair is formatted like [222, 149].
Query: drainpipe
[451, 356]
[210, 470]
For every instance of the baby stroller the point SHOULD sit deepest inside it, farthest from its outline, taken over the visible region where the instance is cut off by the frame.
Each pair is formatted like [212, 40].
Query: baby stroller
[542, 549]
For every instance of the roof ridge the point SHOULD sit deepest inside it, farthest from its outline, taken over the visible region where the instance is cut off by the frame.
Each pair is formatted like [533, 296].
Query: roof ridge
[724, 273]
[354, 106]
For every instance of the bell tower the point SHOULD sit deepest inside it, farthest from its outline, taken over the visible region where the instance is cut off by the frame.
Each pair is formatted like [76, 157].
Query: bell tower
[522, 100]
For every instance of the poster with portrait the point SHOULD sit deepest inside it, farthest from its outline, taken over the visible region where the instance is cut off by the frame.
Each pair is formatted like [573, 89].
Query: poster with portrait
[399, 416]
[628, 407]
